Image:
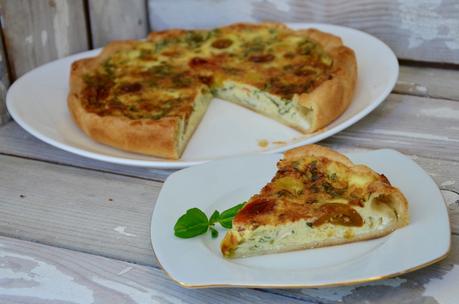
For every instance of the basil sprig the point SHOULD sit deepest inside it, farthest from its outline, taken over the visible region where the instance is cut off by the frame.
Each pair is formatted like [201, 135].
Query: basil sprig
[195, 222]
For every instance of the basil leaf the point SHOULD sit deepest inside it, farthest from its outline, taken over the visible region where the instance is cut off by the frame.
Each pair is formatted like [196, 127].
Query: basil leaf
[194, 222]
[213, 232]
[226, 217]
[214, 217]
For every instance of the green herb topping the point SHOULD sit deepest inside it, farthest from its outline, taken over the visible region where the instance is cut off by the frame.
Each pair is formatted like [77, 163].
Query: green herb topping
[195, 222]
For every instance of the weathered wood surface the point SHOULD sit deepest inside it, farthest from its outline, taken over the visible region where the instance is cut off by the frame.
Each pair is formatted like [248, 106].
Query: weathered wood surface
[425, 30]
[4, 83]
[428, 82]
[42, 201]
[410, 124]
[45, 203]
[39, 31]
[33, 273]
[16, 141]
[117, 20]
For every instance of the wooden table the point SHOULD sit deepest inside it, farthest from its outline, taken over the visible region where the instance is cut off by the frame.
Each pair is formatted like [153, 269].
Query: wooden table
[75, 230]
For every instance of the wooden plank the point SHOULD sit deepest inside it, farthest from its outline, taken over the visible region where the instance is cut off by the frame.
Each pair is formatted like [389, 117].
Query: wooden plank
[32, 208]
[4, 83]
[426, 30]
[104, 213]
[16, 141]
[33, 273]
[117, 20]
[429, 125]
[429, 285]
[428, 82]
[38, 31]
[413, 125]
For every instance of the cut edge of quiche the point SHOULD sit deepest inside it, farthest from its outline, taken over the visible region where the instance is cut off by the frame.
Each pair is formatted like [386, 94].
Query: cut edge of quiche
[317, 198]
[165, 137]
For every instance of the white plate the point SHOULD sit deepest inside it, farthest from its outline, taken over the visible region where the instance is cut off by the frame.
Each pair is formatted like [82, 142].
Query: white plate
[37, 101]
[221, 184]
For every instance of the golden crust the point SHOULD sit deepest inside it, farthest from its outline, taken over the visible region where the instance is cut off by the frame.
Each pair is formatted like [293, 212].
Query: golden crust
[160, 137]
[279, 212]
[315, 151]
[146, 136]
[332, 97]
[379, 187]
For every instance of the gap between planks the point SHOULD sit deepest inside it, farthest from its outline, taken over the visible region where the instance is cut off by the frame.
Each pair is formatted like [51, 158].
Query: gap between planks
[413, 125]
[88, 278]
[111, 217]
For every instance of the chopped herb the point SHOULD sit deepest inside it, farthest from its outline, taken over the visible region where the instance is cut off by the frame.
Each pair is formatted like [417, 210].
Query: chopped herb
[328, 188]
[109, 67]
[163, 69]
[195, 39]
[306, 47]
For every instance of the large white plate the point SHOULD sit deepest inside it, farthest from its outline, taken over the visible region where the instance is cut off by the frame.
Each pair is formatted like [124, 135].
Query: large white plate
[221, 184]
[37, 101]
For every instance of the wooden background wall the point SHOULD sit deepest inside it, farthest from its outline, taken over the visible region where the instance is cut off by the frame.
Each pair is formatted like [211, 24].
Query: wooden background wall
[38, 31]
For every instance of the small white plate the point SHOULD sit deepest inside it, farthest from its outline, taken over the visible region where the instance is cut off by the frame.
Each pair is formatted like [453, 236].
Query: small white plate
[37, 102]
[221, 184]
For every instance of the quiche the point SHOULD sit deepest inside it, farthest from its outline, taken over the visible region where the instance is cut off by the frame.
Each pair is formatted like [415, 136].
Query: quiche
[317, 198]
[148, 96]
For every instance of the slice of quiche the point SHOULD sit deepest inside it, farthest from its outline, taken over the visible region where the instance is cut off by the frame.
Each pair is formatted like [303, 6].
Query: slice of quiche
[317, 198]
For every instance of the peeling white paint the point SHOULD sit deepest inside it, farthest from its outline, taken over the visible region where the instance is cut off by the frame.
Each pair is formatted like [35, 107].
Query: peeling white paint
[447, 183]
[424, 23]
[38, 280]
[122, 230]
[411, 87]
[44, 37]
[125, 270]
[443, 112]
[440, 290]
[338, 293]
[29, 39]
[137, 293]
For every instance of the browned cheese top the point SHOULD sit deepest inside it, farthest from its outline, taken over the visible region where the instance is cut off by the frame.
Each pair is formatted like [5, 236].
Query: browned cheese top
[161, 76]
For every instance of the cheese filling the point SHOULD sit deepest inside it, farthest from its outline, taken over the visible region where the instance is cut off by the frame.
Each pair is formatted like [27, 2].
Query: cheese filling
[187, 128]
[302, 234]
[285, 111]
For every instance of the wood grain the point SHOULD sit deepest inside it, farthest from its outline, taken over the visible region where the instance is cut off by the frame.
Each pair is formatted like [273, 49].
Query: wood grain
[78, 209]
[4, 83]
[428, 82]
[87, 220]
[38, 31]
[422, 126]
[117, 20]
[33, 273]
[16, 141]
[426, 30]
[410, 124]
